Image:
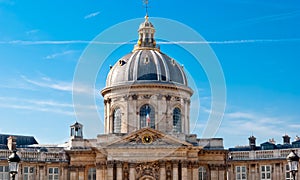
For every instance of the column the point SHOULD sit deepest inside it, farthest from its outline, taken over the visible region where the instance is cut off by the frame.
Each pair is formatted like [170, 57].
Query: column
[175, 170]
[73, 173]
[131, 171]
[65, 173]
[162, 170]
[81, 173]
[99, 171]
[110, 170]
[214, 175]
[195, 170]
[41, 172]
[119, 171]
[184, 171]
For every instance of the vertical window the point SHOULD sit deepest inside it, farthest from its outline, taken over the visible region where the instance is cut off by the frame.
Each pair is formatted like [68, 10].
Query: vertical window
[53, 173]
[4, 174]
[288, 175]
[28, 173]
[241, 172]
[147, 116]
[117, 120]
[202, 173]
[92, 174]
[265, 172]
[177, 120]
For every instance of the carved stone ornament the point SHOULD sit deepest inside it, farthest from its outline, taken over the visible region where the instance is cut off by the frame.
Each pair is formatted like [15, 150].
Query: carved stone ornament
[168, 97]
[134, 97]
[147, 96]
[148, 169]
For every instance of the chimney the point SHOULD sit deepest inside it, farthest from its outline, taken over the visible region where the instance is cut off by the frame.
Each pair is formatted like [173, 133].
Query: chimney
[252, 142]
[11, 143]
[286, 139]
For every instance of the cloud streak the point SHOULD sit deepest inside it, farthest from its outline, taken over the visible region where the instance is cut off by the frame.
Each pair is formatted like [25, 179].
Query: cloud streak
[243, 41]
[92, 15]
[37, 105]
[272, 17]
[55, 55]
[240, 125]
[42, 105]
[60, 85]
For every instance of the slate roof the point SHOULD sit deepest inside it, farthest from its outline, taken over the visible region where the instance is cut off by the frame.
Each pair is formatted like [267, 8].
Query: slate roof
[21, 140]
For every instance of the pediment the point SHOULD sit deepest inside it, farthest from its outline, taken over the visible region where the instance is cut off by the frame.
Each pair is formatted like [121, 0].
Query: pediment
[147, 138]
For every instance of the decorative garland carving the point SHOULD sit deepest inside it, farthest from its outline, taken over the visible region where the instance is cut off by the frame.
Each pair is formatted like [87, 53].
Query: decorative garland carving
[148, 169]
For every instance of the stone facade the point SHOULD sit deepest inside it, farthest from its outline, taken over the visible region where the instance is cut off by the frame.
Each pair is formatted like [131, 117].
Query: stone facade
[267, 161]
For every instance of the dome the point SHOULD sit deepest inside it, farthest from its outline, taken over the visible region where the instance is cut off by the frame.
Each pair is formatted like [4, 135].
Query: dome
[146, 66]
[146, 63]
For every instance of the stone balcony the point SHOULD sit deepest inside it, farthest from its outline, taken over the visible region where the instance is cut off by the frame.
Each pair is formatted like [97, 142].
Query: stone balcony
[260, 154]
[34, 156]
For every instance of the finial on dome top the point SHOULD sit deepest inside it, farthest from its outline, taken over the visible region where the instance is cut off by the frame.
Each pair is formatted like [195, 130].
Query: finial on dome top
[147, 18]
[146, 33]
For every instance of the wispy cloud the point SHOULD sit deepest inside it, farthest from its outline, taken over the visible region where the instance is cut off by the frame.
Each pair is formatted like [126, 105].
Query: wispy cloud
[272, 17]
[43, 105]
[33, 31]
[49, 83]
[37, 105]
[55, 55]
[92, 15]
[243, 41]
[241, 125]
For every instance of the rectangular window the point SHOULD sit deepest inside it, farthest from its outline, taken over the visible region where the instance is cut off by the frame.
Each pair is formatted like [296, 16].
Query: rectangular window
[202, 173]
[53, 173]
[4, 174]
[92, 174]
[265, 172]
[241, 172]
[28, 173]
[288, 175]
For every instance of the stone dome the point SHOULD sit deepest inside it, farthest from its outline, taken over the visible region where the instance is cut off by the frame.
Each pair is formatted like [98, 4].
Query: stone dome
[146, 88]
[146, 66]
[146, 63]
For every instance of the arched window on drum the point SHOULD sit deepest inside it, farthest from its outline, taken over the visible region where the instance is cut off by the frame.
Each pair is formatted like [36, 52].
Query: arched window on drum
[177, 120]
[117, 116]
[147, 116]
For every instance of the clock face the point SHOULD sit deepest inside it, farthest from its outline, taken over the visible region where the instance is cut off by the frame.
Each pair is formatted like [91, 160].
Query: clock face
[147, 139]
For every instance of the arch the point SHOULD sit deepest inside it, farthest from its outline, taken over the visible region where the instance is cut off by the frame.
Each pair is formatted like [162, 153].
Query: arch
[202, 173]
[177, 119]
[117, 120]
[147, 116]
[146, 177]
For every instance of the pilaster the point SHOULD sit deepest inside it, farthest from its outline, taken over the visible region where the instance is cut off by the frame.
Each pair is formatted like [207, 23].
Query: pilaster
[100, 170]
[162, 170]
[119, 171]
[175, 169]
[131, 171]
[184, 171]
[195, 170]
[110, 170]
[81, 173]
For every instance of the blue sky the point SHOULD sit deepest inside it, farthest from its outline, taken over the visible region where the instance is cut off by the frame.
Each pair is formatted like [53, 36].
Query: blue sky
[257, 44]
